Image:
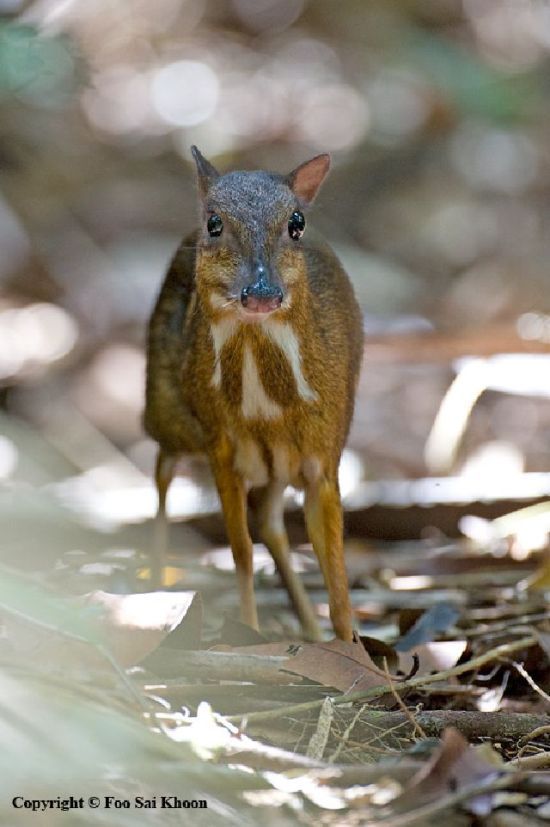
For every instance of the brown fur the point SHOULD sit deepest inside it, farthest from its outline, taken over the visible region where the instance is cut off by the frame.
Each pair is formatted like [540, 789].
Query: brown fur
[186, 411]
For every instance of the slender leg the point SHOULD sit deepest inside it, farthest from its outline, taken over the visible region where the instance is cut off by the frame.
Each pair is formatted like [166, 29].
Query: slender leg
[272, 531]
[164, 474]
[233, 499]
[323, 513]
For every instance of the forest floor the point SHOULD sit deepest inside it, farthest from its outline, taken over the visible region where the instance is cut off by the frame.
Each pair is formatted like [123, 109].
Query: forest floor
[145, 699]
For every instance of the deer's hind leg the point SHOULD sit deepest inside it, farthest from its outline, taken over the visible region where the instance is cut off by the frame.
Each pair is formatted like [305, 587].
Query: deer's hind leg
[164, 474]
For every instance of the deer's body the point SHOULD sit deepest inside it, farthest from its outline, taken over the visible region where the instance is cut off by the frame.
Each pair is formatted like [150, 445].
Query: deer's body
[267, 394]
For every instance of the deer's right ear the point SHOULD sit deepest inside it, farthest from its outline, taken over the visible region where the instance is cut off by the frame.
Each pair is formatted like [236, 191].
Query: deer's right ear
[206, 173]
[305, 180]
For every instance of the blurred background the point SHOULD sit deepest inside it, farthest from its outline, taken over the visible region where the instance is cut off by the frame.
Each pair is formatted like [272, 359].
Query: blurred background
[436, 115]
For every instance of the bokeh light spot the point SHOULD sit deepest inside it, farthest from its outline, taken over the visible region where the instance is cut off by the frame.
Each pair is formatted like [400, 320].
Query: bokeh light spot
[9, 457]
[185, 93]
[333, 117]
[39, 333]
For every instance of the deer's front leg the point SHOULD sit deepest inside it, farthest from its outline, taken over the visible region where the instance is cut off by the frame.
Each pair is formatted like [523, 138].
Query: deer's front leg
[270, 514]
[232, 494]
[323, 513]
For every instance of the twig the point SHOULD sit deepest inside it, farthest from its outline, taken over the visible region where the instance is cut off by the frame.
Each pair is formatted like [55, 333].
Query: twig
[318, 741]
[524, 622]
[384, 734]
[525, 674]
[403, 706]
[502, 651]
[346, 734]
[536, 733]
[539, 761]
[454, 690]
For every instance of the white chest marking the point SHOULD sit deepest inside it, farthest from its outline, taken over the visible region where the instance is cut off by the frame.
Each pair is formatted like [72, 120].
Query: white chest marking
[221, 331]
[256, 404]
[285, 338]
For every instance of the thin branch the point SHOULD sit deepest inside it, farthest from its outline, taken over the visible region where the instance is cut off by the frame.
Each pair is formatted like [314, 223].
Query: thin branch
[539, 761]
[525, 674]
[416, 726]
[346, 734]
[535, 733]
[318, 741]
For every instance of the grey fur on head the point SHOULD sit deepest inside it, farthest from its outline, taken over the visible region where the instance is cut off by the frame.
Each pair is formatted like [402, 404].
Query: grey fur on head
[304, 181]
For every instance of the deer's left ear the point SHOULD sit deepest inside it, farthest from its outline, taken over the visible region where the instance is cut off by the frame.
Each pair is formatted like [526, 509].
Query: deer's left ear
[206, 173]
[305, 180]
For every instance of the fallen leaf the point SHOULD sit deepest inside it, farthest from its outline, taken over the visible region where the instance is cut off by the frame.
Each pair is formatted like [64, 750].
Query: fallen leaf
[336, 663]
[378, 650]
[345, 666]
[277, 648]
[455, 764]
[134, 625]
[407, 618]
[236, 633]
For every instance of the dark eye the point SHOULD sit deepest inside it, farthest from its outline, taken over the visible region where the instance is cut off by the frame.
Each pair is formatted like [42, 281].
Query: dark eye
[214, 225]
[296, 225]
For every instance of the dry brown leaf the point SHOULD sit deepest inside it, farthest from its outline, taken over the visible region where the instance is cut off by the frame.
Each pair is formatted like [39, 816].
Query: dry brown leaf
[236, 633]
[453, 765]
[134, 625]
[378, 650]
[336, 663]
[73, 636]
[278, 648]
[346, 666]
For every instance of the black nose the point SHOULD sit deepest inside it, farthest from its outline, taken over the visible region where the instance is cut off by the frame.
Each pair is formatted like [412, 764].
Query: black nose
[262, 293]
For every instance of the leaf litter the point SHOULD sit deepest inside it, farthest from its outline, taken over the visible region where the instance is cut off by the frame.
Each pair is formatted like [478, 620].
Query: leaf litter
[440, 705]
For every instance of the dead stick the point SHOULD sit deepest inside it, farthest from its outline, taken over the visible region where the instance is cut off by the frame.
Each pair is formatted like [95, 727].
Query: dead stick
[538, 761]
[531, 736]
[511, 726]
[502, 651]
[525, 674]
[223, 665]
